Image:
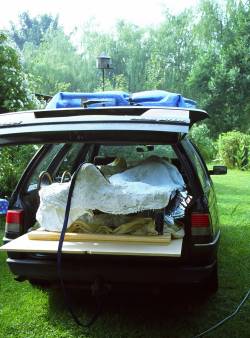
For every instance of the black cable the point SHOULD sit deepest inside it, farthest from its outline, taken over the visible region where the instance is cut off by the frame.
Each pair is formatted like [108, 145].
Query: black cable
[59, 259]
[225, 319]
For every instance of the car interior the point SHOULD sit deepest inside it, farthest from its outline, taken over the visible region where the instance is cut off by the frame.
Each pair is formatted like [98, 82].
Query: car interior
[59, 162]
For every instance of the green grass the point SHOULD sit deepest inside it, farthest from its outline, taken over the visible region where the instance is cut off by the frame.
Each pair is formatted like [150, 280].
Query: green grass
[26, 311]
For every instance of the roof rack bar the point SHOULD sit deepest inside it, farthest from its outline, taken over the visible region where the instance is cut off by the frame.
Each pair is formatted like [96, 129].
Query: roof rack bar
[135, 111]
[194, 114]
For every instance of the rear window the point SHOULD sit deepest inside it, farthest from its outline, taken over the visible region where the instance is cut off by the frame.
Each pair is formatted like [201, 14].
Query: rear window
[134, 153]
[131, 153]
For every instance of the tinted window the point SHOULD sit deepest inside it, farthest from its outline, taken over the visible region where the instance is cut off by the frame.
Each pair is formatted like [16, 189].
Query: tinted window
[197, 162]
[69, 160]
[134, 153]
[43, 166]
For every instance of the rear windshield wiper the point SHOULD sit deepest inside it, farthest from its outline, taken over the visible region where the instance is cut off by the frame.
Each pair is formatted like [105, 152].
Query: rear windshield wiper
[86, 103]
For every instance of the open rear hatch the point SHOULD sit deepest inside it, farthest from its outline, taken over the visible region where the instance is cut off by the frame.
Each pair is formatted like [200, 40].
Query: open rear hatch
[75, 125]
[126, 124]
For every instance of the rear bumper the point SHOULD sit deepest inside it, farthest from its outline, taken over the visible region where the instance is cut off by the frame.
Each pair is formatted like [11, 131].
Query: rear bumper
[87, 271]
[198, 266]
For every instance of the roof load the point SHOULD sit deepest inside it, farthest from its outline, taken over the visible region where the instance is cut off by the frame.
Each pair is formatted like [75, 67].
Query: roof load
[159, 98]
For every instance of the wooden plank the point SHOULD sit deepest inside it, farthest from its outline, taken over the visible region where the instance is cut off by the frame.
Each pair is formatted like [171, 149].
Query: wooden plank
[83, 237]
[24, 244]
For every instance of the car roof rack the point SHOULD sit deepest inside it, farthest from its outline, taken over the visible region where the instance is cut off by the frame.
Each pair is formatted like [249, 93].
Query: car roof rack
[157, 98]
[118, 103]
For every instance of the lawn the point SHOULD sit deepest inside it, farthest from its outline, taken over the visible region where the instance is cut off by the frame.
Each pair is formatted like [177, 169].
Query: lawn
[26, 311]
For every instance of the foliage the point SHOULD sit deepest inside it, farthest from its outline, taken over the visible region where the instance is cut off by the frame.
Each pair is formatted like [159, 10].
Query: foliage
[130, 45]
[122, 45]
[234, 149]
[13, 161]
[172, 53]
[31, 29]
[206, 58]
[220, 75]
[200, 135]
[15, 93]
[117, 82]
[146, 58]
[55, 64]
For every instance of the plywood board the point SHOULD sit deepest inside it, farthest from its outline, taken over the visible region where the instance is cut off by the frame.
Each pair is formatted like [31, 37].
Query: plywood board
[83, 237]
[24, 244]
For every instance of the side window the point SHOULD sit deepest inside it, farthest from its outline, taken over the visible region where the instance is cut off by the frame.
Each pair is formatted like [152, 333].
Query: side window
[69, 160]
[43, 166]
[198, 165]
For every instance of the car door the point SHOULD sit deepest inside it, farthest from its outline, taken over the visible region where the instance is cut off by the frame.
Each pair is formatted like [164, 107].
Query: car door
[205, 181]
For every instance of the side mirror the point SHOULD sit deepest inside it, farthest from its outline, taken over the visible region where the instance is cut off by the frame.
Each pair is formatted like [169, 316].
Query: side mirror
[218, 170]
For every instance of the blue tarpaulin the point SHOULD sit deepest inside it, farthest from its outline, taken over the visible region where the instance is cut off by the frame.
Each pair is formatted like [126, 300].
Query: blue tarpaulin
[118, 98]
[74, 100]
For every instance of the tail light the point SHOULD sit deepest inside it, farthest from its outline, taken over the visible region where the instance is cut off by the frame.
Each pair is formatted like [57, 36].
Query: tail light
[14, 221]
[200, 224]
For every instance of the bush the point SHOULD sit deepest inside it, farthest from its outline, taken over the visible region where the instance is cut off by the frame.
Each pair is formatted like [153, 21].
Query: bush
[13, 161]
[200, 135]
[233, 149]
[15, 93]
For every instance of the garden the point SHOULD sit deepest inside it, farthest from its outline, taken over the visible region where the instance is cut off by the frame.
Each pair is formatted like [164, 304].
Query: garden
[27, 311]
[206, 59]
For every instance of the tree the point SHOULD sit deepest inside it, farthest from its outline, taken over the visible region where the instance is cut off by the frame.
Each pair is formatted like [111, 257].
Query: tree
[219, 76]
[15, 93]
[13, 162]
[32, 29]
[55, 64]
[127, 46]
[129, 50]
[206, 58]
[172, 53]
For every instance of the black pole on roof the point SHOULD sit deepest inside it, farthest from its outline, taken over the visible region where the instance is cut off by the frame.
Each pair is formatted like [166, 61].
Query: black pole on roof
[103, 80]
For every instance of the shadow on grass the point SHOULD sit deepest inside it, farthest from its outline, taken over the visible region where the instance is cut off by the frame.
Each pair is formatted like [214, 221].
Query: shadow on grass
[132, 312]
[172, 312]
